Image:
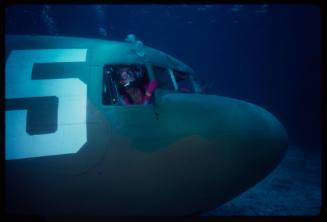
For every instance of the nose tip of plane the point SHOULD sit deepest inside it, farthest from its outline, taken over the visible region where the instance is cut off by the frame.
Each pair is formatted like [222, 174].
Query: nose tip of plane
[276, 133]
[243, 144]
[258, 133]
[252, 140]
[248, 132]
[274, 130]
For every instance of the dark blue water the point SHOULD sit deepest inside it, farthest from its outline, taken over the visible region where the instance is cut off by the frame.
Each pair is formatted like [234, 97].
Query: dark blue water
[269, 55]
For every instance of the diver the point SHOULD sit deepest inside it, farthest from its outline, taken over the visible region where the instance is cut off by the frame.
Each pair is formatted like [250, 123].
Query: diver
[133, 90]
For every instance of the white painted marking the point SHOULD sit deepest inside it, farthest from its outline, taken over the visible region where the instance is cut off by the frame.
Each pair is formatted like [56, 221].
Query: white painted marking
[72, 94]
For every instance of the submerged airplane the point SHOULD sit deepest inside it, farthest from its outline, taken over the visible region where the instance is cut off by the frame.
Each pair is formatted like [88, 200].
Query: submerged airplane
[72, 149]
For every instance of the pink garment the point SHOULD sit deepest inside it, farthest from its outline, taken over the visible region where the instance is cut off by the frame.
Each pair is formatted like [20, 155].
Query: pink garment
[149, 90]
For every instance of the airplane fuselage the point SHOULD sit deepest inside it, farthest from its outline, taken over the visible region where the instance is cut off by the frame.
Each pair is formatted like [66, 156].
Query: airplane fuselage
[71, 150]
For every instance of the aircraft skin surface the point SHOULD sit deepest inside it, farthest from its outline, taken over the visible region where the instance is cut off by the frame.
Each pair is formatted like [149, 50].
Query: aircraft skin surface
[69, 154]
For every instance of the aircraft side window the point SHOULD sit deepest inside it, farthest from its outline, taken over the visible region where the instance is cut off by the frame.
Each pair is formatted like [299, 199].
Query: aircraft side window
[184, 82]
[163, 78]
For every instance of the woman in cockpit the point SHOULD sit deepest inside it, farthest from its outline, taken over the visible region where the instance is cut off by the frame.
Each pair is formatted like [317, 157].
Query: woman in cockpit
[133, 90]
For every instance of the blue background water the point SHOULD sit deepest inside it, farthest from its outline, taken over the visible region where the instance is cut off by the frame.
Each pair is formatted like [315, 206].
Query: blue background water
[269, 55]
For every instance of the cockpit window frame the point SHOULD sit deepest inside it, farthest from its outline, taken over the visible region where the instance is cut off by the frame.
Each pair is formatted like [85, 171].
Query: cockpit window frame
[170, 74]
[195, 86]
[190, 78]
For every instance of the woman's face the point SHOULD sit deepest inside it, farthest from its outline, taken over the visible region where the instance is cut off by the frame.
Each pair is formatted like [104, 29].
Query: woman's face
[136, 95]
[125, 77]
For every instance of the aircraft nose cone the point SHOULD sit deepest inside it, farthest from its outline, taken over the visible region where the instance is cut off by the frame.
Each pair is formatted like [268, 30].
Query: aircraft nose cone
[240, 127]
[266, 136]
[251, 131]
[253, 138]
[240, 144]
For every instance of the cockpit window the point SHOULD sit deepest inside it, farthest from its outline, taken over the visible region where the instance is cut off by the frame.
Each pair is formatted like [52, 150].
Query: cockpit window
[163, 77]
[124, 85]
[183, 81]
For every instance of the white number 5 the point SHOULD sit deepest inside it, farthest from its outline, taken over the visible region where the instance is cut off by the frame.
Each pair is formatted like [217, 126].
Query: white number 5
[71, 92]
